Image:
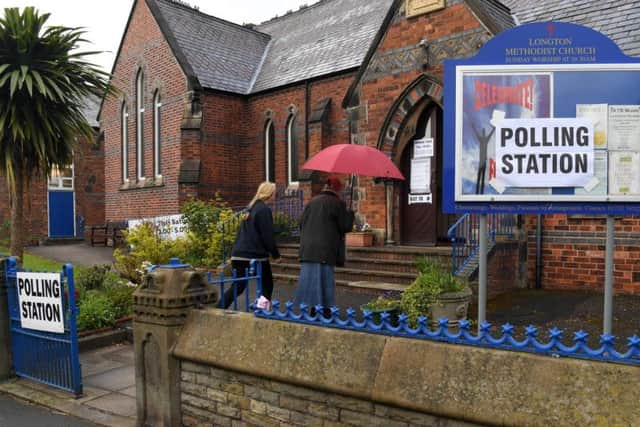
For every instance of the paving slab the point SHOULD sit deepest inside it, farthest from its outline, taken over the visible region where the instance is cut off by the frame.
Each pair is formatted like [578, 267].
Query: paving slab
[114, 380]
[77, 253]
[115, 403]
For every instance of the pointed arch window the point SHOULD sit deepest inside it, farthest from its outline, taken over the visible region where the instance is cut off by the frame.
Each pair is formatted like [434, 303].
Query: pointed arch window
[269, 152]
[124, 120]
[157, 170]
[140, 124]
[292, 152]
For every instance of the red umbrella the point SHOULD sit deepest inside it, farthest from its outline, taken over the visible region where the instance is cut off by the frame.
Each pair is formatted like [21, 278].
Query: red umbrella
[354, 159]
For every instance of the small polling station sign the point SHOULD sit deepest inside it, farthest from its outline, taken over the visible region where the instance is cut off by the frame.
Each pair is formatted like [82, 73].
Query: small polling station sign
[40, 301]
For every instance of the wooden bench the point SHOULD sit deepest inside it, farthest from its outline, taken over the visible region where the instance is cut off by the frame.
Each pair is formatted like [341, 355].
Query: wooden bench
[110, 232]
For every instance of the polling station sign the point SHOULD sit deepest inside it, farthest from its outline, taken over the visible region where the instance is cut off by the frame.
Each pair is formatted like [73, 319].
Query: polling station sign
[544, 118]
[40, 301]
[543, 153]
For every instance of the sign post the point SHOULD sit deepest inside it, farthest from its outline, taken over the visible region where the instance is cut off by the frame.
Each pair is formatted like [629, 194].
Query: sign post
[529, 131]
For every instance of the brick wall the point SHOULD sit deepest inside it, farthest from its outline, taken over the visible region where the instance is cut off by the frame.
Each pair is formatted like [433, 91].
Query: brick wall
[398, 62]
[573, 251]
[89, 182]
[224, 398]
[144, 47]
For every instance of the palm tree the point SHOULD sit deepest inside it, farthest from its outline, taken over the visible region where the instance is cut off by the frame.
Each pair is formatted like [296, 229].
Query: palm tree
[43, 84]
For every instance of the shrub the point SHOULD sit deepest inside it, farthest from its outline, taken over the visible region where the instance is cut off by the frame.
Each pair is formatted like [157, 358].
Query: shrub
[283, 225]
[223, 232]
[433, 279]
[146, 246]
[121, 297]
[92, 277]
[96, 311]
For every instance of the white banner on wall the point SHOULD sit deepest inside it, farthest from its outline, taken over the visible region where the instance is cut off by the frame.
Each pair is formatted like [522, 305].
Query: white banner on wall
[168, 227]
[544, 152]
[40, 301]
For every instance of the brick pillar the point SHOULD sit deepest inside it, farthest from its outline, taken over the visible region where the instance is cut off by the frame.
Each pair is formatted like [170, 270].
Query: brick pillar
[6, 360]
[161, 306]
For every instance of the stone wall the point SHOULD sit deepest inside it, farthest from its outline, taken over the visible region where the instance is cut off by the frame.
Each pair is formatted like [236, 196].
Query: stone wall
[227, 398]
[241, 370]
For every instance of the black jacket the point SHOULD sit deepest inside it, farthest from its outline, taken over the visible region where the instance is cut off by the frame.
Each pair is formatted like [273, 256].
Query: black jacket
[324, 222]
[255, 236]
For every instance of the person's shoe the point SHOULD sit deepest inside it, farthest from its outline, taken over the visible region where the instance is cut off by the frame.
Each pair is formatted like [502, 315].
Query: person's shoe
[263, 303]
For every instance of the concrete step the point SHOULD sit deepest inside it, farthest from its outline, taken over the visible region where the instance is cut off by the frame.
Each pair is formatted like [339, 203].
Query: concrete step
[353, 274]
[362, 286]
[403, 266]
[403, 253]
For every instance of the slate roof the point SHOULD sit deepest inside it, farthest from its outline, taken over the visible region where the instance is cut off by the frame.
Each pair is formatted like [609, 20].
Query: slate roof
[619, 20]
[495, 15]
[329, 36]
[221, 54]
[324, 38]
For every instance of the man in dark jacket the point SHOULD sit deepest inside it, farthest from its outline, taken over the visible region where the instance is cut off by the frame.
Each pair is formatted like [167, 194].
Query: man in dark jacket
[324, 222]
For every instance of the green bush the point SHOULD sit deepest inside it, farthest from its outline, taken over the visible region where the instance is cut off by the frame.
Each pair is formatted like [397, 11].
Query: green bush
[121, 296]
[283, 225]
[146, 247]
[220, 234]
[433, 279]
[96, 311]
[92, 277]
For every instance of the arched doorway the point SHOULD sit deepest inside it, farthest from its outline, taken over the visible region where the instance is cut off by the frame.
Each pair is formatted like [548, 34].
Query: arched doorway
[413, 136]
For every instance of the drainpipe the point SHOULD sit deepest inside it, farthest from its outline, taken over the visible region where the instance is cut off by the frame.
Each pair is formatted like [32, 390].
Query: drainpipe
[307, 106]
[538, 284]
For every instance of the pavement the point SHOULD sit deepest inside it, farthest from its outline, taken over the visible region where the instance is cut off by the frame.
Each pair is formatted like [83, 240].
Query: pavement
[75, 253]
[20, 414]
[108, 398]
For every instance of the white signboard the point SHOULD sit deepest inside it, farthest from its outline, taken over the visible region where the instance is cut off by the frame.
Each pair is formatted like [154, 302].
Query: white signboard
[419, 198]
[421, 175]
[423, 148]
[624, 127]
[544, 152]
[597, 114]
[40, 301]
[169, 227]
[623, 172]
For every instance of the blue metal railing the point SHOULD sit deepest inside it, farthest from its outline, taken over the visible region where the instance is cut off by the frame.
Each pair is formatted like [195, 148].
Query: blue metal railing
[464, 235]
[253, 274]
[46, 357]
[462, 334]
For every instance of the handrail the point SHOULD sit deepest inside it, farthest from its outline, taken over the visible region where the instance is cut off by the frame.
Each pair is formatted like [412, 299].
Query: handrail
[465, 232]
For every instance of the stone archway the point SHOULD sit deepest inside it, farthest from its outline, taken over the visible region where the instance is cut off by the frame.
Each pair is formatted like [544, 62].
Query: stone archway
[421, 98]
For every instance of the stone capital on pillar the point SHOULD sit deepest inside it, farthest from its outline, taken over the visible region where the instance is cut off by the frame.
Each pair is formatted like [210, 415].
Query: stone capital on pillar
[161, 305]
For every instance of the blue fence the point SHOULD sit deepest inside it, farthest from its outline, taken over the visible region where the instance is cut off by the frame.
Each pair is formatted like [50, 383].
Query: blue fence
[252, 276]
[46, 357]
[464, 235]
[530, 343]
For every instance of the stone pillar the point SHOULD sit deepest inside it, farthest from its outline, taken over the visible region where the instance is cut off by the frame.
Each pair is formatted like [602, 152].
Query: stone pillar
[6, 360]
[161, 306]
[389, 238]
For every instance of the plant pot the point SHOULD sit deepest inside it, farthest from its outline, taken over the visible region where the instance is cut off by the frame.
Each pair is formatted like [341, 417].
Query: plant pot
[452, 305]
[359, 239]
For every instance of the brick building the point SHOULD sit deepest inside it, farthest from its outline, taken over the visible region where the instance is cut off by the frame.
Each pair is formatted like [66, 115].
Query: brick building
[210, 106]
[72, 199]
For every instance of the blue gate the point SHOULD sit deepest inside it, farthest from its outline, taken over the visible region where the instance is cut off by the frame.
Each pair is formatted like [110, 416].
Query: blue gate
[46, 357]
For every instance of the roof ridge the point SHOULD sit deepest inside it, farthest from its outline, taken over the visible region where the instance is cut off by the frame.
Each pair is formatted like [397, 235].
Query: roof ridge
[197, 11]
[301, 9]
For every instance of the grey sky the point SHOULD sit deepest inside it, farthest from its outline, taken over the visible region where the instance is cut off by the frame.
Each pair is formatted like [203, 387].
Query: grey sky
[104, 20]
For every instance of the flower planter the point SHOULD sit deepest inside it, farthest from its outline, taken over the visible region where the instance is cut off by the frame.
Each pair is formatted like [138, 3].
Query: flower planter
[452, 305]
[359, 239]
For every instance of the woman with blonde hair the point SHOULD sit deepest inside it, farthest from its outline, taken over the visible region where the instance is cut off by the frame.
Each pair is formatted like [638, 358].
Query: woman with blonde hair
[255, 241]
